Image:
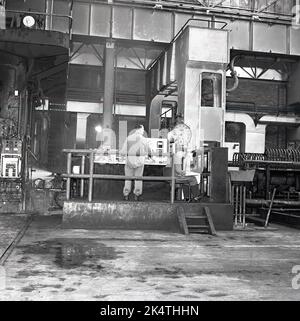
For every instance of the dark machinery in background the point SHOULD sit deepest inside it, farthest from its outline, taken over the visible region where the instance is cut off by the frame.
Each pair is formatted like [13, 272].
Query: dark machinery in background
[277, 172]
[55, 187]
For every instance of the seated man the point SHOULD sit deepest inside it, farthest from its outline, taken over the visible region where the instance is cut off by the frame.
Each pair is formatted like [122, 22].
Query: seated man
[180, 136]
[180, 166]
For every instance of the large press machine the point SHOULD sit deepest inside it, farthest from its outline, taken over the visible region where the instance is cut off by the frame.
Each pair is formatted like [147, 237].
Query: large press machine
[198, 70]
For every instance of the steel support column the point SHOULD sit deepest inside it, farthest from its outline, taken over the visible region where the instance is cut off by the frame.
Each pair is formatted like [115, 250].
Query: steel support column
[108, 84]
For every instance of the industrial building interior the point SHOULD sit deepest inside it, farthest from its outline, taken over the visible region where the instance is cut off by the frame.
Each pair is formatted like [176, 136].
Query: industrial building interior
[77, 77]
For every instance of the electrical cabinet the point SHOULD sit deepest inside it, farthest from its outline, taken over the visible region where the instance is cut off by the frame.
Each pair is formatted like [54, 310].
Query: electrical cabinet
[11, 155]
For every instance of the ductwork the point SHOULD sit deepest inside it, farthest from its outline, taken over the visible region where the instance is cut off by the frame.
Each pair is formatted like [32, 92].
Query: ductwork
[234, 75]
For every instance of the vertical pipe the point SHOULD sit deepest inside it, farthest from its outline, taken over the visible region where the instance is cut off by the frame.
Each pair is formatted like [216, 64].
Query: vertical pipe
[23, 117]
[19, 115]
[90, 195]
[35, 137]
[30, 134]
[69, 166]
[46, 14]
[173, 181]
[236, 207]
[232, 195]
[241, 204]
[51, 15]
[82, 172]
[26, 135]
[244, 206]
[268, 193]
[70, 20]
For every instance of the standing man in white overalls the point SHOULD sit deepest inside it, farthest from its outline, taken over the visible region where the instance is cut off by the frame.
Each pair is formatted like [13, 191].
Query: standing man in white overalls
[136, 149]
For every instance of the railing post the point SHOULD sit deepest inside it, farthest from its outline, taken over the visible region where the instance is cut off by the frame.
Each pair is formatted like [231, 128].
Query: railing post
[69, 167]
[82, 172]
[236, 205]
[90, 196]
[244, 206]
[241, 204]
[173, 181]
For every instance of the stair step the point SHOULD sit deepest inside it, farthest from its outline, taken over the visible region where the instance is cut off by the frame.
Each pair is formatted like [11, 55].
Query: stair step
[198, 226]
[198, 232]
[194, 217]
[189, 224]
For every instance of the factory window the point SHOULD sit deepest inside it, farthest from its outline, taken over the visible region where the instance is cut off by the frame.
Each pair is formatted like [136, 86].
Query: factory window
[211, 90]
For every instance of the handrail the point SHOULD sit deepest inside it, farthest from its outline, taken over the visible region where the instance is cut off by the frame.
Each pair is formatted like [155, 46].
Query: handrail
[120, 177]
[68, 18]
[79, 151]
[39, 13]
[83, 153]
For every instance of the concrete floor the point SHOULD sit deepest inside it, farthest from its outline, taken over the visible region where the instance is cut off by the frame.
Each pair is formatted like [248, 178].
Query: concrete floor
[51, 263]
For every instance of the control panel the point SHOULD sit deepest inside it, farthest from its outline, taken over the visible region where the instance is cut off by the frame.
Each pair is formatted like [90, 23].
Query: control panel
[159, 151]
[11, 152]
[159, 154]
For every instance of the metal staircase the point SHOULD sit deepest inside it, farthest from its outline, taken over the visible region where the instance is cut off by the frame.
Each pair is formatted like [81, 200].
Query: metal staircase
[196, 223]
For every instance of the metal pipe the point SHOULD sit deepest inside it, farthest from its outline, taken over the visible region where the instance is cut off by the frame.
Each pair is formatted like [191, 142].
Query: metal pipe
[121, 177]
[241, 204]
[173, 181]
[51, 16]
[90, 193]
[71, 21]
[69, 167]
[270, 208]
[244, 206]
[24, 151]
[232, 195]
[26, 135]
[236, 204]
[19, 116]
[233, 74]
[82, 172]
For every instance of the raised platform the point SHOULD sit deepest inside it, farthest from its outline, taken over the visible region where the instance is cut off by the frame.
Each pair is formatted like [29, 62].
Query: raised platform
[140, 215]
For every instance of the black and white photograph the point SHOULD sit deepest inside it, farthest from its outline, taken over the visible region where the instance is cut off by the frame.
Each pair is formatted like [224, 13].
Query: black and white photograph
[149, 154]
